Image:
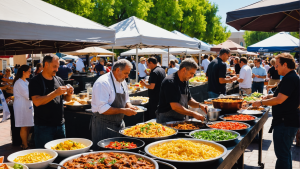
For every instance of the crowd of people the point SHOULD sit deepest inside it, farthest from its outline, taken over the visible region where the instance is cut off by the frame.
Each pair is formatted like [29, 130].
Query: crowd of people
[38, 98]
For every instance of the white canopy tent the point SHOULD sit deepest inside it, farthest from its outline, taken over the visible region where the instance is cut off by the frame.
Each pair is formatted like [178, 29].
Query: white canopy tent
[70, 57]
[144, 51]
[251, 53]
[136, 33]
[239, 51]
[204, 46]
[35, 26]
[91, 51]
[201, 45]
[184, 51]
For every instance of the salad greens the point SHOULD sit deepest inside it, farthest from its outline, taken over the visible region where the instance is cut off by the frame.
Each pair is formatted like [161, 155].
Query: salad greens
[256, 94]
[249, 98]
[18, 166]
[214, 135]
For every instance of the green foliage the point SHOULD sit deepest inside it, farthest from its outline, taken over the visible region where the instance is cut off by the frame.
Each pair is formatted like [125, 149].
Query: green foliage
[295, 34]
[109, 12]
[80, 7]
[252, 37]
[196, 18]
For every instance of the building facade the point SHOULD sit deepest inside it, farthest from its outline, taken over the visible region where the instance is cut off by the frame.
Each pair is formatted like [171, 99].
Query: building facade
[238, 38]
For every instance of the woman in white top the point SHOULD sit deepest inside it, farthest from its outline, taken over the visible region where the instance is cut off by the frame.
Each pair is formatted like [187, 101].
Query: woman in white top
[23, 108]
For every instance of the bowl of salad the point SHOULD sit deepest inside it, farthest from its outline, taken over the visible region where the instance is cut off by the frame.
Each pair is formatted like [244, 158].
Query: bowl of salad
[12, 166]
[215, 135]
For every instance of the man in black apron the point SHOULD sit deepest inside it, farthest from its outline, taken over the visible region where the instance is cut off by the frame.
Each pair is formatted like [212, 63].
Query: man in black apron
[285, 110]
[175, 95]
[110, 102]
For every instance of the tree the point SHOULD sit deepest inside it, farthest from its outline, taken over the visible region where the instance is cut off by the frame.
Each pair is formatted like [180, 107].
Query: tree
[109, 12]
[196, 18]
[295, 34]
[80, 7]
[252, 37]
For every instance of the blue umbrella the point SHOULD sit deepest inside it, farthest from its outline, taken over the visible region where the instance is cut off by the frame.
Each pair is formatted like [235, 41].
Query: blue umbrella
[281, 42]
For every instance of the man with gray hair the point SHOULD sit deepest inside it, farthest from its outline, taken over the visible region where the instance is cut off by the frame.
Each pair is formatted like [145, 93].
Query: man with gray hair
[110, 102]
[175, 95]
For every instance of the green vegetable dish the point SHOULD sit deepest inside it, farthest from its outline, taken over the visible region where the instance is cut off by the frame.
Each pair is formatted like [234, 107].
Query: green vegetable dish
[250, 98]
[18, 166]
[256, 94]
[214, 135]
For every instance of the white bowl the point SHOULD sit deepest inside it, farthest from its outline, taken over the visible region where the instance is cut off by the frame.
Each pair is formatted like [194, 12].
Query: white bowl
[39, 165]
[67, 153]
[12, 165]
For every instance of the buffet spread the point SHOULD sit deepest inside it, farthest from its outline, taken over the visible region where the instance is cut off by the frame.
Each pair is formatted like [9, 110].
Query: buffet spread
[150, 144]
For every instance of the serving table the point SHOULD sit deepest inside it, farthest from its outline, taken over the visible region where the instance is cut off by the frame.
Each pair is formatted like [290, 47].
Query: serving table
[235, 149]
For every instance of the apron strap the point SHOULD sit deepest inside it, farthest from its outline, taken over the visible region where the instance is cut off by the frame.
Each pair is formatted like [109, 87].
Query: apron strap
[112, 79]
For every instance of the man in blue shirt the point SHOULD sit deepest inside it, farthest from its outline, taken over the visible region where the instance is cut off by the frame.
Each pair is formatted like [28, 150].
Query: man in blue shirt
[258, 74]
[99, 68]
[63, 71]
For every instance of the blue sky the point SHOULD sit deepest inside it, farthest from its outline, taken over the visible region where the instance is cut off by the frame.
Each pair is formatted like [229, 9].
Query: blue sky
[230, 5]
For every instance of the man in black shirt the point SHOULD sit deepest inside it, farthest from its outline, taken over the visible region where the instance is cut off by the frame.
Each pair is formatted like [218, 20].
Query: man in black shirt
[175, 95]
[285, 106]
[273, 75]
[47, 92]
[237, 67]
[216, 73]
[157, 75]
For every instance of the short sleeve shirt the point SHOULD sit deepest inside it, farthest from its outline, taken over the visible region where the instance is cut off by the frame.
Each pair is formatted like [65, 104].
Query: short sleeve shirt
[259, 71]
[171, 90]
[289, 109]
[52, 113]
[142, 68]
[99, 67]
[274, 73]
[216, 69]
[63, 72]
[157, 75]
[246, 75]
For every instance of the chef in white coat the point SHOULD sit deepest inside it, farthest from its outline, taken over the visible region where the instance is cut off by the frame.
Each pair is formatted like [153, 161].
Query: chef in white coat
[110, 102]
[23, 108]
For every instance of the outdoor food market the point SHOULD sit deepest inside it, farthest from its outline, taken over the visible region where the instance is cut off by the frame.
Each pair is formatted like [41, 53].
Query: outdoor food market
[149, 84]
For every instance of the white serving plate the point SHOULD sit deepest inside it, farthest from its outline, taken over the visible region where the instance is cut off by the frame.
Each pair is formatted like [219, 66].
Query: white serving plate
[39, 165]
[68, 153]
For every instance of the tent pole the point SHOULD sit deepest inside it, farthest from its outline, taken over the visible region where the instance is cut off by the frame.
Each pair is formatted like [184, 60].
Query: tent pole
[200, 61]
[136, 64]
[113, 57]
[32, 63]
[168, 56]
